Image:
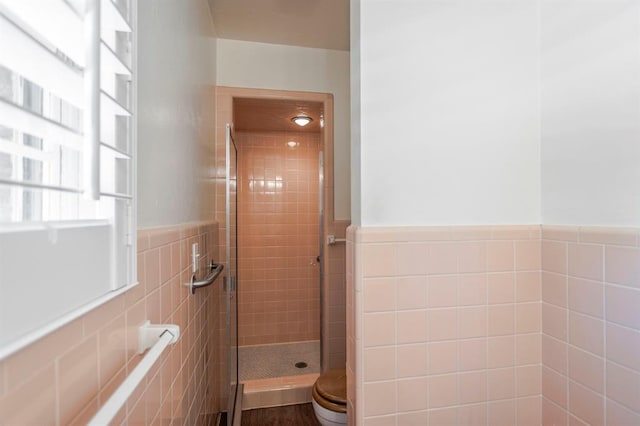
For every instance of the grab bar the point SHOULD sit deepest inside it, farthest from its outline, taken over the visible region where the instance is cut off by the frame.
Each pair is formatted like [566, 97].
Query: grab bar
[158, 337]
[215, 269]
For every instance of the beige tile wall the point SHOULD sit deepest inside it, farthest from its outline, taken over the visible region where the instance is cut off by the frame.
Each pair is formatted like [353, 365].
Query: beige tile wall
[444, 325]
[278, 241]
[64, 377]
[591, 326]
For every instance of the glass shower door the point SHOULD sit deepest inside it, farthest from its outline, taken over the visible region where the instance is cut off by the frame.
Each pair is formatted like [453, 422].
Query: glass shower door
[231, 244]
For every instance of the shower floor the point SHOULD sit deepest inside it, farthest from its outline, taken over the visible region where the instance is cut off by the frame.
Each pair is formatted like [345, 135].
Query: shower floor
[269, 361]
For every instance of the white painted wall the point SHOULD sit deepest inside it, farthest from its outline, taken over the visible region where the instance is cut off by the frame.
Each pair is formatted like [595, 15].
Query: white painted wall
[176, 70]
[273, 66]
[591, 112]
[450, 112]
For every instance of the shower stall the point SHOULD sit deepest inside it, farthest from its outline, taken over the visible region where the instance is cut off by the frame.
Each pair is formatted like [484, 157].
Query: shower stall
[273, 232]
[279, 247]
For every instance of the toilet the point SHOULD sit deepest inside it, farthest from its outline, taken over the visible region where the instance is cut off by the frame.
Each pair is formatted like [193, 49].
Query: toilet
[330, 398]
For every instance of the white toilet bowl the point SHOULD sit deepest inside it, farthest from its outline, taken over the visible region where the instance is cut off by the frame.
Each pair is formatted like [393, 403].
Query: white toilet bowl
[330, 398]
[328, 417]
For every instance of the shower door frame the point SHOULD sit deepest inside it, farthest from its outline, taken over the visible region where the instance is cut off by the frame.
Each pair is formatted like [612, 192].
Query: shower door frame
[321, 249]
[234, 402]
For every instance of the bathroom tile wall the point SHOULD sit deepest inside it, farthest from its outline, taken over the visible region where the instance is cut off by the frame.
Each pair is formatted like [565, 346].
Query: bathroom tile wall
[278, 223]
[64, 377]
[590, 326]
[444, 325]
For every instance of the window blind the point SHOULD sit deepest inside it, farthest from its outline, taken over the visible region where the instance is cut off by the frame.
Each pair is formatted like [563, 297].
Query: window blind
[66, 157]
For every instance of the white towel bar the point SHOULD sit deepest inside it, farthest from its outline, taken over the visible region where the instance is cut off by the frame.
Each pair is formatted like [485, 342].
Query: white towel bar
[158, 337]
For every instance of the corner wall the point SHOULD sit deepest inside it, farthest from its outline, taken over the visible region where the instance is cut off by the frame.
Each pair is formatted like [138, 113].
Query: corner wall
[590, 92]
[590, 102]
[590, 325]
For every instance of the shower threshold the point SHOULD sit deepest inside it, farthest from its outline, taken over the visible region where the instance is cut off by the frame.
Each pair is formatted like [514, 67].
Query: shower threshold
[271, 377]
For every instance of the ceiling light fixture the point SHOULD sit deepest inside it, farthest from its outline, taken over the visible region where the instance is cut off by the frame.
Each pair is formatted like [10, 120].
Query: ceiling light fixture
[302, 120]
[292, 144]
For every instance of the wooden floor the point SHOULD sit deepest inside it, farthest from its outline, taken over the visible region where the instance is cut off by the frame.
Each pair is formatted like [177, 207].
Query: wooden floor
[294, 415]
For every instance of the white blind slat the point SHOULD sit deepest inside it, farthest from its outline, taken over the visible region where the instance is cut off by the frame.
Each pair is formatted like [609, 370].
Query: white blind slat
[54, 21]
[23, 120]
[111, 63]
[116, 152]
[116, 195]
[112, 18]
[34, 185]
[25, 56]
[110, 106]
[13, 148]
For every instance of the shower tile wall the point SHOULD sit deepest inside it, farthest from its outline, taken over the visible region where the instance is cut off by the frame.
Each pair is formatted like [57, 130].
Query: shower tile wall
[279, 294]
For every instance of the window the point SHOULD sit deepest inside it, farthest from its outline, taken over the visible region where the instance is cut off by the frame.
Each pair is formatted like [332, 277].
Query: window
[67, 225]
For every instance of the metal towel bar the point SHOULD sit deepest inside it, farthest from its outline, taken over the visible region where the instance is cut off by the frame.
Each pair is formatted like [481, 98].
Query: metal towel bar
[155, 336]
[215, 269]
[331, 240]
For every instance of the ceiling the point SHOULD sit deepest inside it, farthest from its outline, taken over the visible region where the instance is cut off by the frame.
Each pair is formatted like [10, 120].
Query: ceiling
[309, 23]
[274, 115]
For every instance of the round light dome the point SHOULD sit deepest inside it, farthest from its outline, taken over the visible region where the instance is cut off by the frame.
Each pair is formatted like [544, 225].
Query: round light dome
[302, 120]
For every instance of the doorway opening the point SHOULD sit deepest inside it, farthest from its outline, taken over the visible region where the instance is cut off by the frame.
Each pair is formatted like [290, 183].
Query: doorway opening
[284, 180]
[278, 236]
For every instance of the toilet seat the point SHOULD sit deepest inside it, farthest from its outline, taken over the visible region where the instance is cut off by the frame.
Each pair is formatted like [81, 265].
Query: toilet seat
[329, 405]
[330, 390]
